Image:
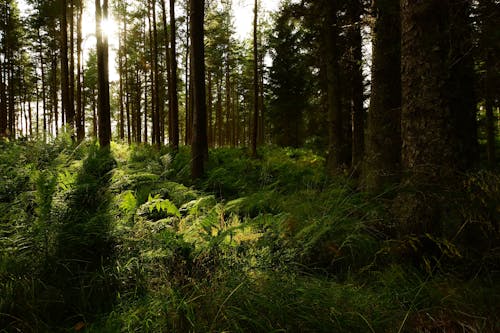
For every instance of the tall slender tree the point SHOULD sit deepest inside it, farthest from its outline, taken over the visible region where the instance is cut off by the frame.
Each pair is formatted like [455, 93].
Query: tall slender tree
[199, 140]
[103, 106]
[172, 84]
[255, 81]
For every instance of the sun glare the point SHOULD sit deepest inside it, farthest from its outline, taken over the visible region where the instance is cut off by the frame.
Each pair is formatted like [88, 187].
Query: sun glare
[108, 27]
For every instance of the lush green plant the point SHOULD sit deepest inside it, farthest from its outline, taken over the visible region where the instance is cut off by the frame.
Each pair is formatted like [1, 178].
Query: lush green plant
[126, 242]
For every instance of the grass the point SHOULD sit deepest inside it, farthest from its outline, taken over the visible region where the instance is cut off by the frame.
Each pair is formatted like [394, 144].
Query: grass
[127, 242]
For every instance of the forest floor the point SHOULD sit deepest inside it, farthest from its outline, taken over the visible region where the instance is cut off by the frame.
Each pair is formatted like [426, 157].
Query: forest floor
[94, 241]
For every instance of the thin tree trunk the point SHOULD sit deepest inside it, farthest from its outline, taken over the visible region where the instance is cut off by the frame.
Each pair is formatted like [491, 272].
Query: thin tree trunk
[173, 100]
[80, 128]
[3, 103]
[67, 112]
[255, 83]
[71, 117]
[337, 146]
[121, 125]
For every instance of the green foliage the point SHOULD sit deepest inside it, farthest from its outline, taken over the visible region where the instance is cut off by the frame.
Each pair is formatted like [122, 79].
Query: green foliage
[258, 245]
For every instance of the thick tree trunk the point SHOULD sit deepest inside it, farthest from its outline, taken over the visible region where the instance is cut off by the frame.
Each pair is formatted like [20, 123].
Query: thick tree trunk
[460, 85]
[103, 106]
[199, 145]
[431, 117]
[383, 138]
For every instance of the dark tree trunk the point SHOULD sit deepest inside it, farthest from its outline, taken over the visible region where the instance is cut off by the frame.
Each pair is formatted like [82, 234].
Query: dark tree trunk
[3, 103]
[460, 85]
[199, 144]
[255, 83]
[211, 140]
[67, 109]
[356, 86]
[55, 110]
[488, 29]
[218, 112]
[121, 122]
[71, 117]
[173, 101]
[431, 117]
[103, 107]
[158, 110]
[337, 146]
[383, 137]
[80, 128]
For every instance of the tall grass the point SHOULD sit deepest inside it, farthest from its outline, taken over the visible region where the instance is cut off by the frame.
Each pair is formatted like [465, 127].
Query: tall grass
[127, 242]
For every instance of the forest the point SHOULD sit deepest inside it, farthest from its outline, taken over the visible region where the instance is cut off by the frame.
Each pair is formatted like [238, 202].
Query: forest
[332, 168]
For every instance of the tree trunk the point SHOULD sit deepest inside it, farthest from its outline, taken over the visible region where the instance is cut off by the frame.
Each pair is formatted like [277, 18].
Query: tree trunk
[356, 86]
[255, 83]
[80, 128]
[3, 103]
[432, 152]
[337, 145]
[383, 137]
[488, 26]
[199, 144]
[67, 109]
[461, 83]
[173, 100]
[211, 140]
[103, 107]
[71, 117]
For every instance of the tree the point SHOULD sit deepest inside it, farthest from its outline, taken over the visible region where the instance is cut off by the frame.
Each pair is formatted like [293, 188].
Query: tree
[103, 106]
[430, 118]
[172, 84]
[68, 108]
[255, 81]
[383, 137]
[80, 115]
[199, 144]
[489, 42]
[289, 77]
[355, 72]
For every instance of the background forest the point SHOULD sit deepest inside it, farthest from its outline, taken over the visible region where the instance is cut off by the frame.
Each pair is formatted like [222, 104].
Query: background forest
[335, 170]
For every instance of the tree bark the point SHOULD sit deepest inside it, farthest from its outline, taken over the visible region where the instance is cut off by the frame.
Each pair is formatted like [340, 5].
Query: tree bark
[383, 138]
[255, 83]
[67, 108]
[80, 128]
[432, 151]
[3, 103]
[357, 86]
[173, 100]
[337, 145]
[103, 106]
[199, 144]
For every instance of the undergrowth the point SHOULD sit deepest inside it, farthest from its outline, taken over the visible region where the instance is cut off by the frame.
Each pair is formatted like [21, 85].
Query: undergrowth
[128, 243]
